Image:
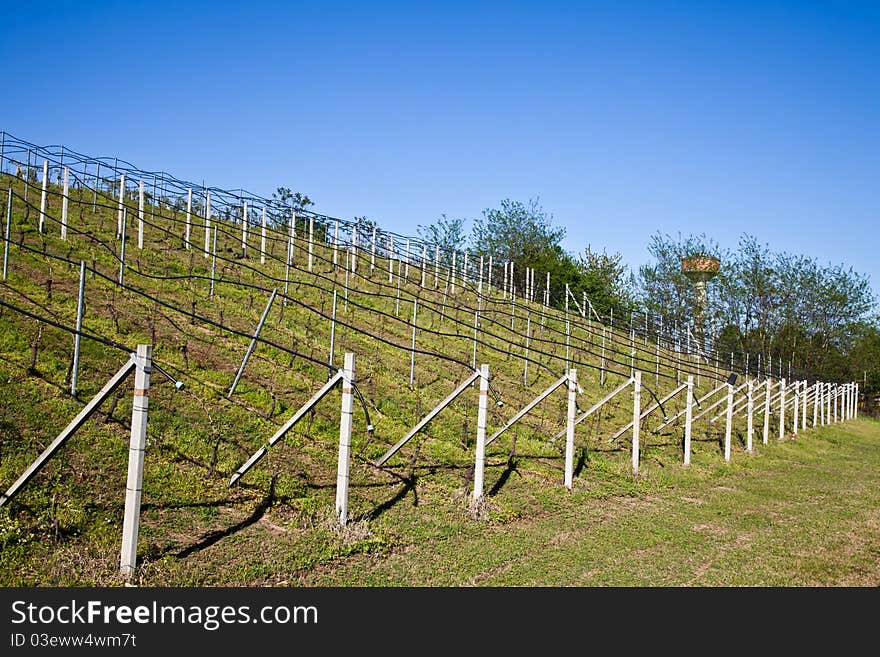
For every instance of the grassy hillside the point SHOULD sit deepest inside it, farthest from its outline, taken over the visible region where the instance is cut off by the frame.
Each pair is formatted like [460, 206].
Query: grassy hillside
[277, 525]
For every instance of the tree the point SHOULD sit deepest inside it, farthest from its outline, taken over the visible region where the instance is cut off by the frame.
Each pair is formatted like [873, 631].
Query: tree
[785, 307]
[517, 232]
[446, 233]
[291, 201]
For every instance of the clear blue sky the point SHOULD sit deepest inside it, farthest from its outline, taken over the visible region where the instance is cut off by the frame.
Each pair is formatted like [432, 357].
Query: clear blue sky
[624, 118]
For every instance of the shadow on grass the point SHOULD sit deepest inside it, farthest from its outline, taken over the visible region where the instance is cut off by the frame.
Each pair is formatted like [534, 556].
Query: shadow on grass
[213, 537]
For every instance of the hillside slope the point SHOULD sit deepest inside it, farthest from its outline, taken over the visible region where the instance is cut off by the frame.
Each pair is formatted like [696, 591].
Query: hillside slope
[277, 525]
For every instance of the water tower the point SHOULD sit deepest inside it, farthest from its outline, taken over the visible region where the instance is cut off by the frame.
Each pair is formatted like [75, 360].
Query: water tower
[700, 269]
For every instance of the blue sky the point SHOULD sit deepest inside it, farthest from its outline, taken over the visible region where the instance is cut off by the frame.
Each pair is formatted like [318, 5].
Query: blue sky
[625, 118]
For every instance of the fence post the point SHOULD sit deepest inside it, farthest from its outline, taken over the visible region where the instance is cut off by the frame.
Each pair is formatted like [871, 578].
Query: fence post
[781, 409]
[244, 228]
[354, 248]
[80, 307]
[828, 403]
[391, 258]
[796, 400]
[121, 202]
[815, 403]
[65, 199]
[750, 427]
[424, 255]
[263, 240]
[189, 205]
[43, 195]
[136, 449]
[637, 402]
[345, 422]
[767, 410]
[373, 252]
[728, 422]
[526, 359]
[122, 249]
[569, 428]
[480, 448]
[207, 224]
[311, 242]
[213, 262]
[412, 354]
[141, 215]
[332, 334]
[803, 405]
[6, 235]
[336, 245]
[688, 419]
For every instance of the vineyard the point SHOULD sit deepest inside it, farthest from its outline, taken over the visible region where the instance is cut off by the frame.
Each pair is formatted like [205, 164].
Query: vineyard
[472, 391]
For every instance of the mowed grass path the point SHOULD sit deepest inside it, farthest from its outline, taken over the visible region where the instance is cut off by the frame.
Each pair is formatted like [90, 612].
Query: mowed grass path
[802, 512]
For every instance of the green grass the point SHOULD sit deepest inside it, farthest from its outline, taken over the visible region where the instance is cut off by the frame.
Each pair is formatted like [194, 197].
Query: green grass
[776, 516]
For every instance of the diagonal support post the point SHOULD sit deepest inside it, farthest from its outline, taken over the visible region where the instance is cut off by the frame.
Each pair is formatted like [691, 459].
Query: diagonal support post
[87, 411]
[430, 416]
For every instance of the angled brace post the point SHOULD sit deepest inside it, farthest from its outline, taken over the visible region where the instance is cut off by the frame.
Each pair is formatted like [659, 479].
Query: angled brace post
[430, 416]
[287, 426]
[647, 411]
[87, 411]
[709, 394]
[528, 407]
[599, 404]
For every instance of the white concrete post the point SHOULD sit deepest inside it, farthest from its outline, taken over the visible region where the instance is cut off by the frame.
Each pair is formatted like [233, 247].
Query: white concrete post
[406, 263]
[828, 403]
[480, 448]
[796, 400]
[728, 422]
[137, 447]
[354, 248]
[207, 224]
[781, 409]
[504, 288]
[856, 412]
[480, 278]
[336, 244]
[424, 257]
[141, 215]
[637, 402]
[312, 241]
[436, 266]
[391, 258]
[489, 276]
[121, 201]
[569, 428]
[80, 309]
[373, 252]
[768, 388]
[213, 262]
[688, 419]
[189, 207]
[263, 240]
[803, 405]
[43, 195]
[345, 422]
[750, 425]
[815, 403]
[64, 202]
[412, 353]
[244, 228]
[452, 272]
